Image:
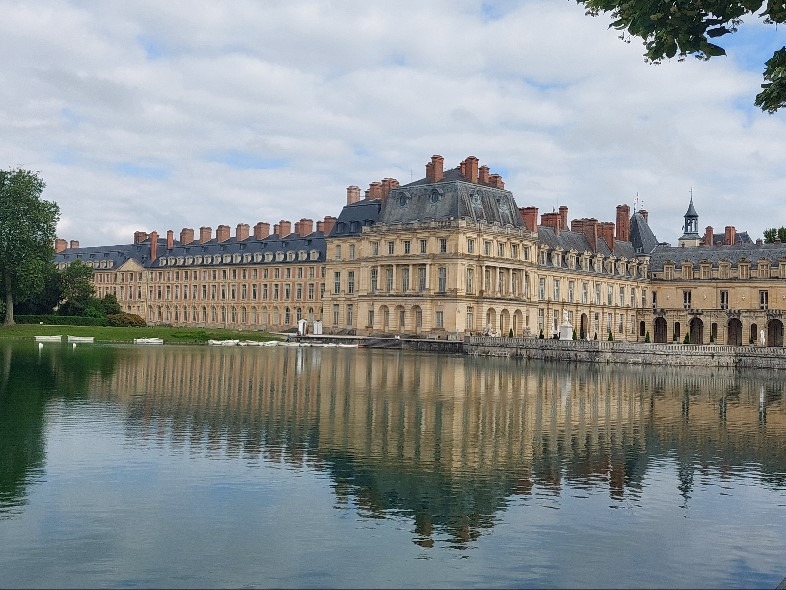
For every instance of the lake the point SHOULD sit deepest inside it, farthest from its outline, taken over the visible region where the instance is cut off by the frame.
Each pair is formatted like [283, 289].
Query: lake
[196, 466]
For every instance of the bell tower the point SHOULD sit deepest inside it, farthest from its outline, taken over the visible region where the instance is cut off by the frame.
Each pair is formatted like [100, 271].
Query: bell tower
[690, 236]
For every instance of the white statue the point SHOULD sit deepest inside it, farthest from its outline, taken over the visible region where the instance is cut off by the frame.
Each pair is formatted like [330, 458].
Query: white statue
[761, 337]
[565, 317]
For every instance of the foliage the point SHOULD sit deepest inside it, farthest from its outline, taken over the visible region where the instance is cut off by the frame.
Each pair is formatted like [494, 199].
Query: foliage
[596, 336]
[510, 333]
[125, 320]
[611, 336]
[43, 301]
[683, 28]
[77, 291]
[772, 233]
[60, 320]
[686, 340]
[541, 334]
[647, 337]
[27, 235]
[575, 337]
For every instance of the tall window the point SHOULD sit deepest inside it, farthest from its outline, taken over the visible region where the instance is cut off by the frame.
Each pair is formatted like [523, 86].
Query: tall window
[541, 288]
[421, 278]
[375, 248]
[471, 246]
[597, 294]
[571, 288]
[764, 299]
[423, 245]
[686, 299]
[724, 299]
[351, 253]
[374, 278]
[405, 279]
[336, 282]
[389, 279]
[440, 319]
[443, 245]
[470, 317]
[584, 292]
[470, 280]
[391, 247]
[442, 274]
[350, 282]
[407, 246]
[622, 296]
[556, 283]
[338, 251]
[350, 314]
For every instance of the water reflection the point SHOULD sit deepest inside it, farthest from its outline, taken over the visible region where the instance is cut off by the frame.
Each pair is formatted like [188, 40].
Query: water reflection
[444, 441]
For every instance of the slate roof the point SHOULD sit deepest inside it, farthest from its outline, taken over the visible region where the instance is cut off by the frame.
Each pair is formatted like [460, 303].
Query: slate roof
[715, 254]
[741, 237]
[451, 198]
[568, 240]
[354, 216]
[641, 236]
[691, 210]
[141, 252]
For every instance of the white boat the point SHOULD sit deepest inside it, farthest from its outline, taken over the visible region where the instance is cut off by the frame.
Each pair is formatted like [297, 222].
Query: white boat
[76, 339]
[58, 338]
[249, 343]
[223, 342]
[148, 340]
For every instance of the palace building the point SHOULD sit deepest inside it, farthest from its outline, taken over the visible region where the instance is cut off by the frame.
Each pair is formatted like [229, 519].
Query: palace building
[450, 255]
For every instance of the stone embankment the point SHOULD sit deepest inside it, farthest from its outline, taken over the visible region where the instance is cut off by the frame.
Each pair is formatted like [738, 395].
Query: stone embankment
[631, 353]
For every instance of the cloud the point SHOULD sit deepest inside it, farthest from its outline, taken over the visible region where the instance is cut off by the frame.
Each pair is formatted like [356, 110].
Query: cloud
[156, 116]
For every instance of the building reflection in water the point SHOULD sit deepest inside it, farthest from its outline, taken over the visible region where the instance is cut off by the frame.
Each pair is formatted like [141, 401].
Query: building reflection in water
[447, 441]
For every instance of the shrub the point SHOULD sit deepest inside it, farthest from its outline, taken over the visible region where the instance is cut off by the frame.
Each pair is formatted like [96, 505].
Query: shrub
[541, 335]
[596, 336]
[647, 337]
[574, 334]
[611, 337]
[510, 333]
[686, 340]
[60, 320]
[125, 320]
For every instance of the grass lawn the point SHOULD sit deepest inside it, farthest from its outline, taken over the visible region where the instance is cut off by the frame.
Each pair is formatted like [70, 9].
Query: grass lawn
[108, 334]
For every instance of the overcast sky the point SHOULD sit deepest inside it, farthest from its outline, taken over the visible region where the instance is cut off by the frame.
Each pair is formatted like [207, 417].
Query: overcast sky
[162, 115]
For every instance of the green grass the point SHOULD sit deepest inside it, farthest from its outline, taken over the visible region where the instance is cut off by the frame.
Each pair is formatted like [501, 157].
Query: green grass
[110, 334]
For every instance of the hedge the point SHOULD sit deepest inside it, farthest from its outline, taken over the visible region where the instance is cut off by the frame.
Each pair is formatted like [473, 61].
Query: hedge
[60, 320]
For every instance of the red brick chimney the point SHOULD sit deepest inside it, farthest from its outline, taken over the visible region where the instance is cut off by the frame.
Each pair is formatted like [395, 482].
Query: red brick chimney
[222, 233]
[388, 184]
[139, 237]
[495, 180]
[606, 231]
[328, 224]
[61, 244]
[205, 234]
[730, 236]
[74, 244]
[708, 236]
[552, 220]
[437, 169]
[241, 232]
[563, 217]
[353, 194]
[153, 245]
[186, 236]
[645, 214]
[284, 228]
[375, 190]
[261, 230]
[623, 223]
[471, 169]
[170, 239]
[483, 174]
[321, 226]
[530, 217]
[306, 227]
[588, 227]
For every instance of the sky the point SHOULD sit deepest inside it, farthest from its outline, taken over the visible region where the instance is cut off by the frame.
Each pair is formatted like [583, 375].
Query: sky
[152, 115]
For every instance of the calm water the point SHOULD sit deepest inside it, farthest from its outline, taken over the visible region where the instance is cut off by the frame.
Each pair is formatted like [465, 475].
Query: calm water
[324, 467]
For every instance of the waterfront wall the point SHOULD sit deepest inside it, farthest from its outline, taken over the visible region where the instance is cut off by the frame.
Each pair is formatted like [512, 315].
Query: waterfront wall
[600, 351]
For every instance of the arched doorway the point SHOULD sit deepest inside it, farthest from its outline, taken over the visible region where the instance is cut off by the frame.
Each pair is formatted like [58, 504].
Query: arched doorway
[734, 329]
[504, 322]
[775, 333]
[385, 318]
[660, 330]
[754, 335]
[518, 320]
[696, 328]
[400, 315]
[583, 326]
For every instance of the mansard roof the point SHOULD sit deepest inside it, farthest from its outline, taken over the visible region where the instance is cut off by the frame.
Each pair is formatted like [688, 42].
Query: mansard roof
[641, 236]
[356, 215]
[453, 197]
[140, 252]
[741, 237]
[716, 254]
[570, 240]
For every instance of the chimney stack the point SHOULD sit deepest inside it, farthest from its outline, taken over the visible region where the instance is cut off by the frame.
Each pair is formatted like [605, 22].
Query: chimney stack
[471, 169]
[222, 233]
[186, 236]
[388, 184]
[588, 227]
[375, 190]
[284, 228]
[74, 244]
[170, 239]
[153, 245]
[623, 223]
[730, 235]
[353, 194]
[606, 231]
[61, 245]
[708, 236]
[530, 217]
[328, 224]
[495, 180]
[483, 174]
[435, 170]
[306, 227]
[563, 217]
[139, 237]
[241, 232]
[205, 234]
[261, 230]
[552, 220]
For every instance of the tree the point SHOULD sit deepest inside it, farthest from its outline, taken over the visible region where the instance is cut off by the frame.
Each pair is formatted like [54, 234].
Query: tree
[772, 233]
[44, 301]
[669, 28]
[76, 290]
[27, 235]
